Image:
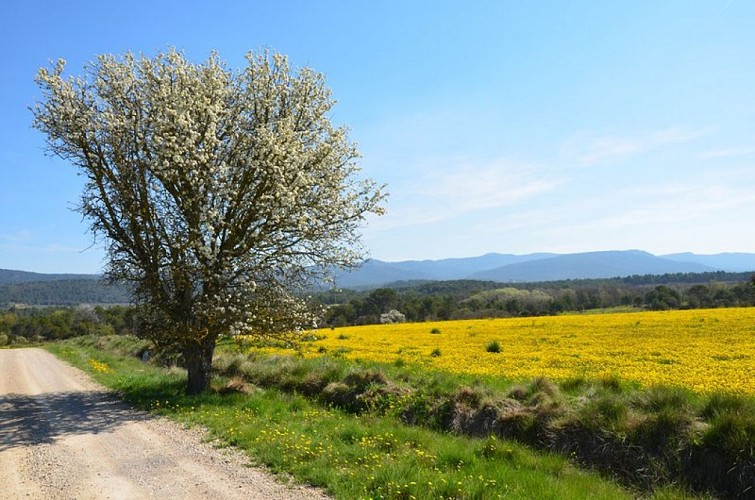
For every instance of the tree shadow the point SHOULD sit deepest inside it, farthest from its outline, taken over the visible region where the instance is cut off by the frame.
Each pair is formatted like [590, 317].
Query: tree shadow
[31, 420]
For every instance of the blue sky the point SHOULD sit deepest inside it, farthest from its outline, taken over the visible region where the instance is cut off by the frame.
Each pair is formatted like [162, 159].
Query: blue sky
[498, 126]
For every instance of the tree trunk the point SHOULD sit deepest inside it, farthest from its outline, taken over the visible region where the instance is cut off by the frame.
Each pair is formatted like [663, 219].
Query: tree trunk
[198, 358]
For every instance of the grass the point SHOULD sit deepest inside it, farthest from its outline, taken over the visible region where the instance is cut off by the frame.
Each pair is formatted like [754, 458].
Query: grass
[399, 430]
[493, 346]
[365, 455]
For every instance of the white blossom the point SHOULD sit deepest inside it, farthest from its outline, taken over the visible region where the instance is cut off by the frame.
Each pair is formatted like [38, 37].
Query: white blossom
[218, 193]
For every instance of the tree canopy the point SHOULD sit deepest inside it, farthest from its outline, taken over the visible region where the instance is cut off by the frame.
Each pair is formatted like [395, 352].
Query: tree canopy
[217, 193]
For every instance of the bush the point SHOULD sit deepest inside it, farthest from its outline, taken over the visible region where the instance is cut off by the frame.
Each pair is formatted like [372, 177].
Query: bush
[493, 346]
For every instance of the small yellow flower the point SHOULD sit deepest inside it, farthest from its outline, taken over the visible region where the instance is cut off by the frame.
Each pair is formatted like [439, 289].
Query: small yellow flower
[98, 366]
[705, 350]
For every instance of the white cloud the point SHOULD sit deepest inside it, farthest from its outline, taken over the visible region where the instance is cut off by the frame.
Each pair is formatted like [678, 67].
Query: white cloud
[19, 236]
[701, 212]
[463, 187]
[726, 153]
[679, 216]
[676, 203]
[589, 148]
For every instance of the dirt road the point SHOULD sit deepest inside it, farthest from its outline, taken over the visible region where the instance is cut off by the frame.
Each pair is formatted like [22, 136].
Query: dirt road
[62, 436]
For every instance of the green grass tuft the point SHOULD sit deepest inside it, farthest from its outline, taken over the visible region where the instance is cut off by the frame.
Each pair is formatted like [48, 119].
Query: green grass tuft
[493, 346]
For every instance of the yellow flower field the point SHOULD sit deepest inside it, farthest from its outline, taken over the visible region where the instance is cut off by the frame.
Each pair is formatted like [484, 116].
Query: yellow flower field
[704, 350]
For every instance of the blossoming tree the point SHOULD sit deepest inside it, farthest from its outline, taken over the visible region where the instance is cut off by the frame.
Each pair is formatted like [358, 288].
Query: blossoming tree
[217, 193]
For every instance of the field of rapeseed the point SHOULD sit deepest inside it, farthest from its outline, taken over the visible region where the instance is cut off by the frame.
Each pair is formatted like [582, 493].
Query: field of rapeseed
[704, 350]
[353, 417]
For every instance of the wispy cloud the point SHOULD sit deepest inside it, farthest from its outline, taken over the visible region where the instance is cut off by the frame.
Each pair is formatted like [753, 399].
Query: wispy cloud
[589, 148]
[20, 236]
[726, 153]
[26, 240]
[474, 188]
[652, 207]
[464, 187]
[53, 248]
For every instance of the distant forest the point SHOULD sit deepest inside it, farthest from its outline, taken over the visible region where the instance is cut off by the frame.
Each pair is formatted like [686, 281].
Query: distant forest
[21, 325]
[465, 299]
[79, 307]
[66, 292]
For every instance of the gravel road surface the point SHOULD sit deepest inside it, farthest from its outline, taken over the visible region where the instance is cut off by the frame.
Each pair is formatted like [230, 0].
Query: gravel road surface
[62, 436]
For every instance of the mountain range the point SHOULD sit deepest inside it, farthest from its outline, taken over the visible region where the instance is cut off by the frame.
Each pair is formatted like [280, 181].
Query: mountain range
[504, 268]
[8, 276]
[508, 268]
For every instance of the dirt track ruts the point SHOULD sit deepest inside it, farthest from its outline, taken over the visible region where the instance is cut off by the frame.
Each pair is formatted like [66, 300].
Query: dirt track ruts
[63, 436]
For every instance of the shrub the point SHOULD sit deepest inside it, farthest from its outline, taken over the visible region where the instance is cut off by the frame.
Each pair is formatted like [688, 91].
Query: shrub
[470, 396]
[493, 346]
[229, 364]
[435, 331]
[732, 433]
[435, 353]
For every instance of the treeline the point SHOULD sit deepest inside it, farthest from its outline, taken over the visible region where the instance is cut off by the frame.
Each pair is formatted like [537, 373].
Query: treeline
[424, 301]
[475, 299]
[24, 325]
[656, 279]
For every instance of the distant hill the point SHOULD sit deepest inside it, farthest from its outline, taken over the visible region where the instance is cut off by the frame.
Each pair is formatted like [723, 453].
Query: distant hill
[589, 266]
[732, 262]
[539, 267]
[10, 276]
[376, 272]
[69, 289]
[461, 268]
[21, 287]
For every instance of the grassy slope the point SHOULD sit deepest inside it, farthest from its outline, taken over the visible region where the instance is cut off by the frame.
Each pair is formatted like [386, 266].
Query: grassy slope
[350, 456]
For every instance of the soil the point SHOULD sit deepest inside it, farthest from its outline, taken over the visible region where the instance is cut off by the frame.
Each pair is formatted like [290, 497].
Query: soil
[63, 436]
